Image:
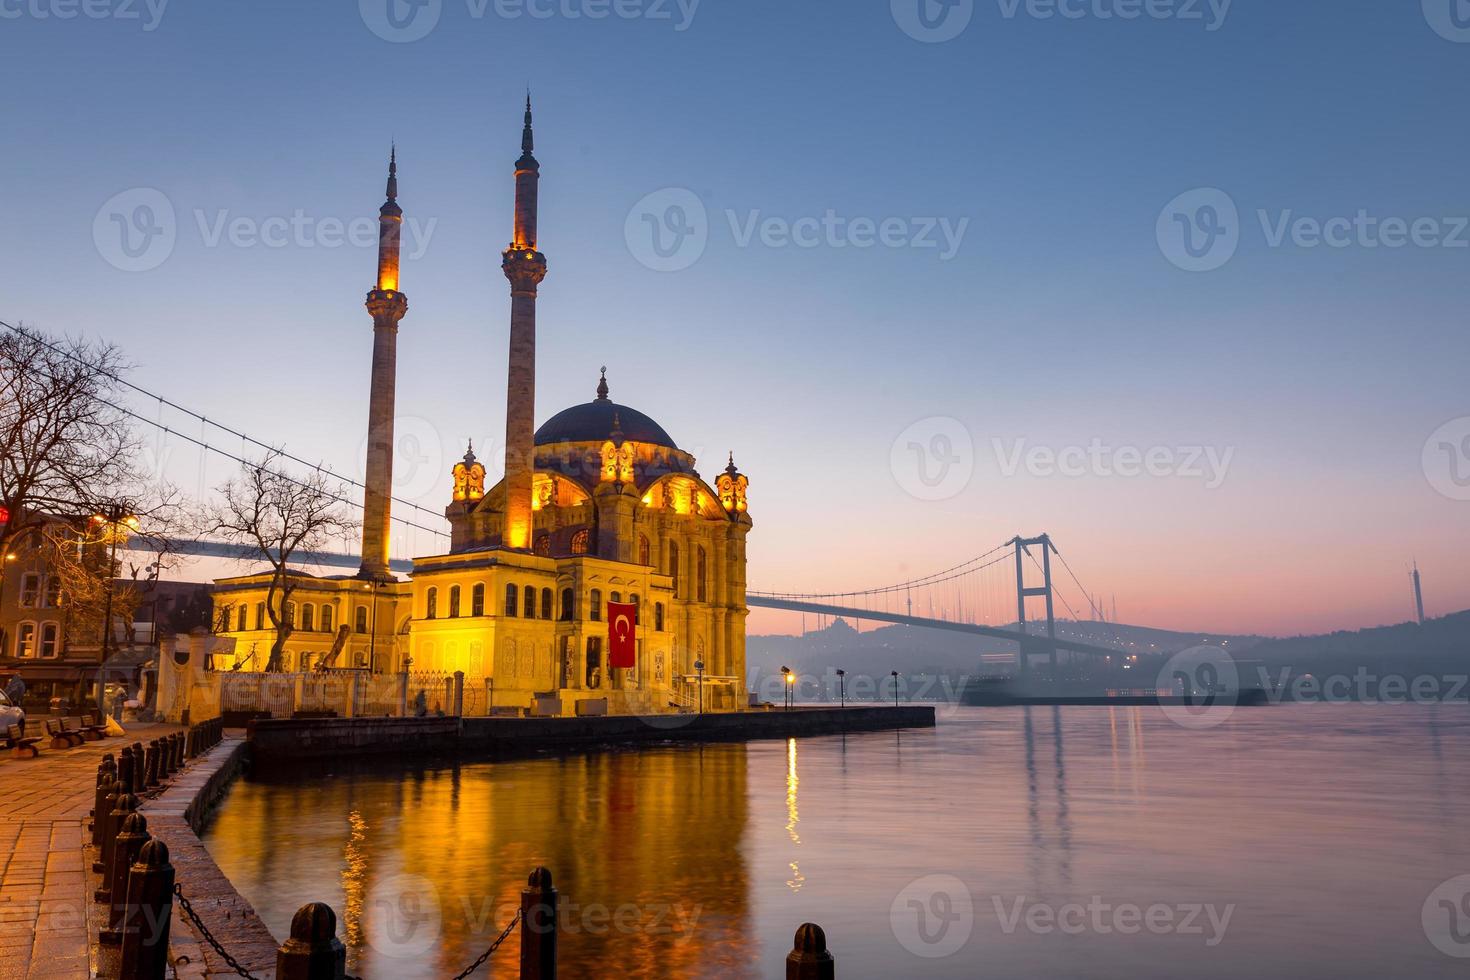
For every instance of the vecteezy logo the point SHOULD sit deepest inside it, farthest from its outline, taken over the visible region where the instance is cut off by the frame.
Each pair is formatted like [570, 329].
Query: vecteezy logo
[932, 21]
[1203, 685]
[1446, 459]
[933, 459]
[402, 918]
[400, 21]
[1199, 230]
[668, 230]
[1446, 917]
[418, 457]
[933, 916]
[1449, 18]
[135, 231]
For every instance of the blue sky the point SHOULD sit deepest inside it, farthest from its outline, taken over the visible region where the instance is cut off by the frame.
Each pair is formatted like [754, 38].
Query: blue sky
[1060, 320]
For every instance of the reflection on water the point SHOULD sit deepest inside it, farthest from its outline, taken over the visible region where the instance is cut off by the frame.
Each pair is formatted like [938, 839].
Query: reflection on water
[1322, 829]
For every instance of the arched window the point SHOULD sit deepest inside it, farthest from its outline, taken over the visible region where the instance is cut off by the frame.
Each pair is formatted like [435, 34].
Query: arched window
[580, 542]
[545, 603]
[568, 605]
[326, 618]
[658, 617]
[637, 607]
[30, 590]
[362, 619]
[240, 619]
[25, 640]
[511, 593]
[701, 575]
[674, 565]
[616, 597]
[432, 610]
[290, 614]
[596, 613]
[528, 606]
[454, 602]
[643, 550]
[477, 599]
[49, 633]
[308, 617]
[260, 615]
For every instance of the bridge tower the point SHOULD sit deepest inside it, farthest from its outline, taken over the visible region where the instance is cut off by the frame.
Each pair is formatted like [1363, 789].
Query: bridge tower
[1023, 548]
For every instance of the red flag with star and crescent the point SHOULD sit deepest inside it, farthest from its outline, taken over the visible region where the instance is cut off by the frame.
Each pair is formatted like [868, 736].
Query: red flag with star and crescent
[622, 634]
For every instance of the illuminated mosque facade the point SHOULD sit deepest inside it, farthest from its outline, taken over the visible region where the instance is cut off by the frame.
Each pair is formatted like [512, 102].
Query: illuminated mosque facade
[597, 505]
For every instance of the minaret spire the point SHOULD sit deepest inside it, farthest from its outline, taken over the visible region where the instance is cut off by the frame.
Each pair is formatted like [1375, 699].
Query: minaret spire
[387, 306]
[525, 267]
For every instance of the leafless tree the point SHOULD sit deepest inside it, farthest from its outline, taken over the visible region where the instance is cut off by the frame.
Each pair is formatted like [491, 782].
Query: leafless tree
[282, 517]
[64, 447]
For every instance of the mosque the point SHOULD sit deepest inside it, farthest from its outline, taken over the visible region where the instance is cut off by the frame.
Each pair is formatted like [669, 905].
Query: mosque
[599, 505]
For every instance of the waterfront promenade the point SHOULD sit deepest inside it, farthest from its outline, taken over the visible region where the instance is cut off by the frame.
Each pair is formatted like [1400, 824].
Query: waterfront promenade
[45, 900]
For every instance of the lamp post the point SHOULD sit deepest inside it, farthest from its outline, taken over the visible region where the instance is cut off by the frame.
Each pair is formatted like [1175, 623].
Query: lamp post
[786, 682]
[699, 669]
[842, 687]
[894, 675]
[373, 638]
[114, 526]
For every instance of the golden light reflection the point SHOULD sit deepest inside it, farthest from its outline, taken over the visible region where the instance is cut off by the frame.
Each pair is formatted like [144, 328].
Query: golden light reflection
[797, 879]
[354, 878]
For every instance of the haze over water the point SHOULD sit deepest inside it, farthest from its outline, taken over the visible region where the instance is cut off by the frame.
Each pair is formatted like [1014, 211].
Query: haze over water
[1322, 829]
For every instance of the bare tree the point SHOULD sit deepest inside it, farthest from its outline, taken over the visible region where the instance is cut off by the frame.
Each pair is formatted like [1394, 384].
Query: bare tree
[282, 517]
[64, 447]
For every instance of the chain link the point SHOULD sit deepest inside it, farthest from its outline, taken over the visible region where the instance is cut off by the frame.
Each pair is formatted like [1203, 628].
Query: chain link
[209, 937]
[493, 947]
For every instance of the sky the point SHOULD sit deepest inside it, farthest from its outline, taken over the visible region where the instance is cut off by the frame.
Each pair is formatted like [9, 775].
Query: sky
[1180, 283]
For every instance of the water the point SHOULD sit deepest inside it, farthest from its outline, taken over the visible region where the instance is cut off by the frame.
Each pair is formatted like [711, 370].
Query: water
[1319, 830]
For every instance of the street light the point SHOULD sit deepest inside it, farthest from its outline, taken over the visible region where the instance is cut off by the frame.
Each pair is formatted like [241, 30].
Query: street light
[373, 639]
[114, 526]
[699, 669]
[894, 675]
[842, 687]
[787, 680]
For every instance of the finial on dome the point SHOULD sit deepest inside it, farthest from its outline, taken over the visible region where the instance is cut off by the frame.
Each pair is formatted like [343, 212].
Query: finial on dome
[602, 386]
[616, 435]
[731, 468]
[469, 454]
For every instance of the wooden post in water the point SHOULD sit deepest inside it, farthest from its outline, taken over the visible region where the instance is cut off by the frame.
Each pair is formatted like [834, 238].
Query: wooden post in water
[538, 927]
[809, 959]
[147, 916]
[313, 952]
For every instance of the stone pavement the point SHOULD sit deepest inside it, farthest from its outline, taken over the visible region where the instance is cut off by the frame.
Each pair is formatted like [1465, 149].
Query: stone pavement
[44, 900]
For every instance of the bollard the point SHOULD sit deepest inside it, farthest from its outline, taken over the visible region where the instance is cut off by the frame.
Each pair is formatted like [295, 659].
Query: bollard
[140, 770]
[125, 769]
[809, 959]
[106, 769]
[150, 764]
[129, 843]
[101, 807]
[178, 746]
[313, 952]
[538, 927]
[126, 803]
[146, 918]
[103, 821]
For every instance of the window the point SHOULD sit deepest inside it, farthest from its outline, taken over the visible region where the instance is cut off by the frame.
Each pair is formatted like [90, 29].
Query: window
[30, 590]
[580, 542]
[643, 550]
[326, 619]
[596, 614]
[433, 604]
[568, 605]
[545, 603]
[658, 617]
[674, 566]
[528, 606]
[290, 614]
[362, 619]
[48, 640]
[454, 602]
[511, 593]
[308, 617]
[477, 600]
[637, 607]
[260, 615]
[701, 575]
[53, 592]
[240, 619]
[25, 640]
[616, 597]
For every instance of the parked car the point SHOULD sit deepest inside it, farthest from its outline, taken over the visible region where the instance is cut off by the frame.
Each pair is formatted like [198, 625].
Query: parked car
[10, 714]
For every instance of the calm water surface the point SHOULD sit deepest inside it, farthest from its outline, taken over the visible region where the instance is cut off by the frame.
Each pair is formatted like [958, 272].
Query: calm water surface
[1319, 829]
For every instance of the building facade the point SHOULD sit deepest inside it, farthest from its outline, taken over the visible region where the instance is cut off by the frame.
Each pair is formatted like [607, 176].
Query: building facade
[597, 506]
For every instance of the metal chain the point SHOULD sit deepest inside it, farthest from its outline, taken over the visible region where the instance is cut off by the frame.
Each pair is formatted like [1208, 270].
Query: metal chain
[493, 947]
[209, 937]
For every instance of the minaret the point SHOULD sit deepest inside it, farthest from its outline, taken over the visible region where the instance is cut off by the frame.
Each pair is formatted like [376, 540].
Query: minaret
[525, 268]
[1418, 595]
[387, 306]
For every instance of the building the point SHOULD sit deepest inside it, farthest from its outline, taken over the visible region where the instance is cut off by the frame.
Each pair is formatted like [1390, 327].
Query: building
[599, 505]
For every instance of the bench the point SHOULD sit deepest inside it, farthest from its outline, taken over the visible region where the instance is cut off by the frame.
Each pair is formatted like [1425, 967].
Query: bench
[60, 737]
[17, 741]
[92, 727]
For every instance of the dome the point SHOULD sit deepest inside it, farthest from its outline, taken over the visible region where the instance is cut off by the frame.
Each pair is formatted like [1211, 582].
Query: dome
[593, 422]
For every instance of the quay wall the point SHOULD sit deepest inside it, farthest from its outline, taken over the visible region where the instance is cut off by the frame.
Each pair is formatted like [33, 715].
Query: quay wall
[288, 740]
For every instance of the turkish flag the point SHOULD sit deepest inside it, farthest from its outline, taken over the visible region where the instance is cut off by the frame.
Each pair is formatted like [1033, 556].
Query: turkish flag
[622, 635]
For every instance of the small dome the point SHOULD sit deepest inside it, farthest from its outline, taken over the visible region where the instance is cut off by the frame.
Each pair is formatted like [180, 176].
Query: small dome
[594, 421]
